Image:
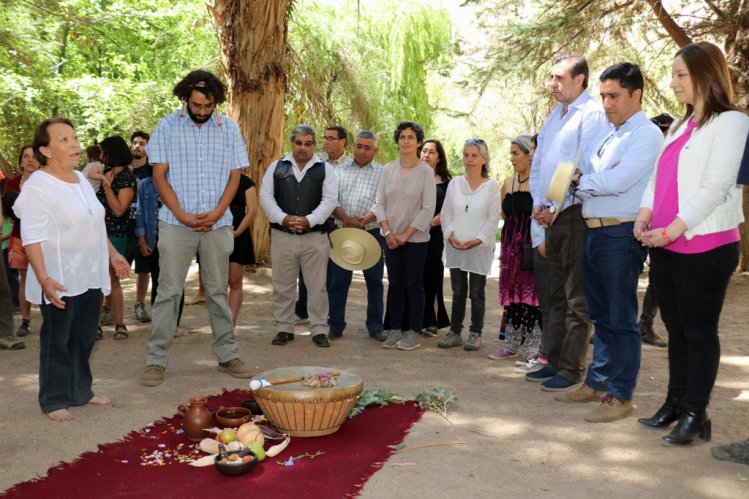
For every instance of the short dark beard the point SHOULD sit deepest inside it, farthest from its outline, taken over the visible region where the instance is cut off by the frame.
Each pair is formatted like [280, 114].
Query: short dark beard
[197, 120]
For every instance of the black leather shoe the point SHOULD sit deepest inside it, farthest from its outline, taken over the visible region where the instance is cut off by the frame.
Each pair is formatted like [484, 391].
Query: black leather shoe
[321, 340]
[667, 414]
[282, 338]
[334, 335]
[691, 424]
[378, 335]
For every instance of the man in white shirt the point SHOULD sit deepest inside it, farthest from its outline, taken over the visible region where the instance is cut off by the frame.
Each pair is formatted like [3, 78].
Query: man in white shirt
[573, 125]
[298, 194]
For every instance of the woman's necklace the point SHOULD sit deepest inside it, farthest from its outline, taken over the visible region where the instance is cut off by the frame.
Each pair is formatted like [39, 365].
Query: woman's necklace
[524, 180]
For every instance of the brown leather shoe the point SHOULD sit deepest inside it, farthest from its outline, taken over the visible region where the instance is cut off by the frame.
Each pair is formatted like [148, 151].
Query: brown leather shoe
[611, 409]
[583, 393]
[649, 336]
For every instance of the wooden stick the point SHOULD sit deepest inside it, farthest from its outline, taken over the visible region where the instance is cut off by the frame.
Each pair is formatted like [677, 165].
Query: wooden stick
[296, 379]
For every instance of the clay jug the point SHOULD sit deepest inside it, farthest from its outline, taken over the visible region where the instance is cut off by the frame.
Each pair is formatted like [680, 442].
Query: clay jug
[195, 418]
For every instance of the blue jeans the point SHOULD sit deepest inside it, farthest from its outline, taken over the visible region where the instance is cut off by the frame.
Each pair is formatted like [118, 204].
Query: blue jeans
[405, 278]
[66, 340]
[612, 263]
[339, 281]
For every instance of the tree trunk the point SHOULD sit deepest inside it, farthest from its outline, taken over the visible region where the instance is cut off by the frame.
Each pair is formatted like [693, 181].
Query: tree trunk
[737, 47]
[253, 35]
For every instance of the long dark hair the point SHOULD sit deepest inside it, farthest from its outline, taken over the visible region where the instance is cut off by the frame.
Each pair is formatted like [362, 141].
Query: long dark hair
[116, 152]
[711, 81]
[441, 168]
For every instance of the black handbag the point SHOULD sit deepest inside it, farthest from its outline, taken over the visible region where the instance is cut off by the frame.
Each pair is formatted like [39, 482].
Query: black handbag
[526, 256]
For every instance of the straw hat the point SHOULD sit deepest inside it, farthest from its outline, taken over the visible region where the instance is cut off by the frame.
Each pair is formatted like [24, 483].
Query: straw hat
[354, 249]
[559, 187]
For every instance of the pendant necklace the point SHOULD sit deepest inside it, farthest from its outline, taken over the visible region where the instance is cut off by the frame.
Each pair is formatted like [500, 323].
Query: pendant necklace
[524, 180]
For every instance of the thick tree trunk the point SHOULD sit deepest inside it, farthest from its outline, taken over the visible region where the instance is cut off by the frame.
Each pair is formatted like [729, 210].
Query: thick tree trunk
[253, 35]
[676, 32]
[737, 47]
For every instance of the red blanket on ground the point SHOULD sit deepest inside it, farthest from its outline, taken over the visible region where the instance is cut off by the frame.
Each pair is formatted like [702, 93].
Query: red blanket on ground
[151, 462]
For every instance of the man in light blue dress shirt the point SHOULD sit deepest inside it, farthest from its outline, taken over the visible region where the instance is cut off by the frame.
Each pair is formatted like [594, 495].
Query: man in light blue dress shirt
[569, 131]
[197, 157]
[617, 168]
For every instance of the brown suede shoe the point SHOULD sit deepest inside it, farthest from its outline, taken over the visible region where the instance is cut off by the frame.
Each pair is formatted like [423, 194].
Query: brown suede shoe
[583, 393]
[649, 336]
[611, 409]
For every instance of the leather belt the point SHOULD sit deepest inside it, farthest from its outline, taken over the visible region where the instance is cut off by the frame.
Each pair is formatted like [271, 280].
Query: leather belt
[595, 223]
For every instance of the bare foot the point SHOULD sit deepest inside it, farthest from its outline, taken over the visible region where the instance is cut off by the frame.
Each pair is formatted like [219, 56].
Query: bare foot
[196, 300]
[61, 415]
[100, 400]
[178, 332]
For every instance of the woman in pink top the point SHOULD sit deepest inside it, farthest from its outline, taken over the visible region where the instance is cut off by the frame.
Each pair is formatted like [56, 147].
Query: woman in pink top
[689, 216]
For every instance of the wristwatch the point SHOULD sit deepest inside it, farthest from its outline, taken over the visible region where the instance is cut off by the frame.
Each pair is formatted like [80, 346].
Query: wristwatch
[386, 233]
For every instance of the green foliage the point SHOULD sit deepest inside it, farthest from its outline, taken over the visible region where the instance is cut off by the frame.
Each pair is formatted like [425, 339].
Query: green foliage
[366, 68]
[437, 400]
[371, 397]
[107, 65]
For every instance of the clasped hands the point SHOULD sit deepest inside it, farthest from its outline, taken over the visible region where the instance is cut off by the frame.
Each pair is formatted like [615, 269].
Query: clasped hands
[458, 245]
[650, 238]
[543, 216]
[296, 224]
[200, 222]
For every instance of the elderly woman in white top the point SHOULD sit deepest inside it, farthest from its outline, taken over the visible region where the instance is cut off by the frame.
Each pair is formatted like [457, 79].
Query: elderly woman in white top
[66, 243]
[470, 217]
[404, 207]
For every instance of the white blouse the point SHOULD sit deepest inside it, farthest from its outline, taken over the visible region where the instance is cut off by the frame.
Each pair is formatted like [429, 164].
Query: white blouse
[68, 220]
[468, 215]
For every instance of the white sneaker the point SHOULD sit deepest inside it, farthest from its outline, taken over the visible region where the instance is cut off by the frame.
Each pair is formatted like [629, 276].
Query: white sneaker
[531, 366]
[410, 341]
[394, 337]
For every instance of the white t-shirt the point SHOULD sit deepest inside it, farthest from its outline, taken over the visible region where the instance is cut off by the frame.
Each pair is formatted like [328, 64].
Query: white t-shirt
[68, 220]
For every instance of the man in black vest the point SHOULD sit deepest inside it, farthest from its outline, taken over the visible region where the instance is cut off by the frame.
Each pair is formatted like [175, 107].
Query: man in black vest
[298, 194]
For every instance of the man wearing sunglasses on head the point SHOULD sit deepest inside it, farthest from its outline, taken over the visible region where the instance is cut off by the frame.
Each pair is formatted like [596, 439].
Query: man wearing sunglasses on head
[197, 157]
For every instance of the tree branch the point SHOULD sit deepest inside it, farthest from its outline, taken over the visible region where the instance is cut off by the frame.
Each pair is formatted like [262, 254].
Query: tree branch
[718, 12]
[676, 32]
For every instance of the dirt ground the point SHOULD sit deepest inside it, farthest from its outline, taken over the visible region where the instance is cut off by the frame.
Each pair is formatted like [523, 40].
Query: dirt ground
[517, 441]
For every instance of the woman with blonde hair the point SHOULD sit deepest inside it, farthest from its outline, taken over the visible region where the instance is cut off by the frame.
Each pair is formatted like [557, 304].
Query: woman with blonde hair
[689, 217]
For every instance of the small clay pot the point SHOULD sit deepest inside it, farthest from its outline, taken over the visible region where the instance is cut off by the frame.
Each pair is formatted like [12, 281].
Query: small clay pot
[233, 468]
[195, 418]
[232, 417]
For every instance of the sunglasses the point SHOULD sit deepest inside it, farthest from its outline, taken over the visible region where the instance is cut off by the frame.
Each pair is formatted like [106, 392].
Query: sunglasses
[475, 141]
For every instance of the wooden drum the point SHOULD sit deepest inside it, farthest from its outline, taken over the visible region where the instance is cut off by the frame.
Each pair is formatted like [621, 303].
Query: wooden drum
[303, 411]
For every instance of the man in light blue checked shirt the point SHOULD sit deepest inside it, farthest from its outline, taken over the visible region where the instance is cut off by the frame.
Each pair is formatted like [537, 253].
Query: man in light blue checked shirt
[197, 157]
[357, 188]
[618, 168]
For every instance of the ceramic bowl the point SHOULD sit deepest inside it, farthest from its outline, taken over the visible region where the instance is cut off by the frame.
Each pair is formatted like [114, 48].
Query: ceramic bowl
[232, 417]
[239, 468]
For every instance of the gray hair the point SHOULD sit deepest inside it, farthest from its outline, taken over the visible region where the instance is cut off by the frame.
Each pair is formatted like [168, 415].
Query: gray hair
[524, 142]
[366, 134]
[483, 151]
[303, 130]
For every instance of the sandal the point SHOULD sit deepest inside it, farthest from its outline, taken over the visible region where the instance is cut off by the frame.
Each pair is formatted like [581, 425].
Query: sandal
[120, 332]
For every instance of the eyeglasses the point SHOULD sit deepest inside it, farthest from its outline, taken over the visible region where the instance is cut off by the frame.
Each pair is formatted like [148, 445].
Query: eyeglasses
[475, 141]
[602, 149]
[201, 107]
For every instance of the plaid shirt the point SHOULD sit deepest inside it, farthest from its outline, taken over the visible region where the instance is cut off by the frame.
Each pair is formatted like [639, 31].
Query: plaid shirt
[357, 188]
[200, 161]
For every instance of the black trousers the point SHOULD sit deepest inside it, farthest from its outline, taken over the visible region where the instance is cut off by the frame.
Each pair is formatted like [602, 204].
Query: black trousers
[690, 290]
